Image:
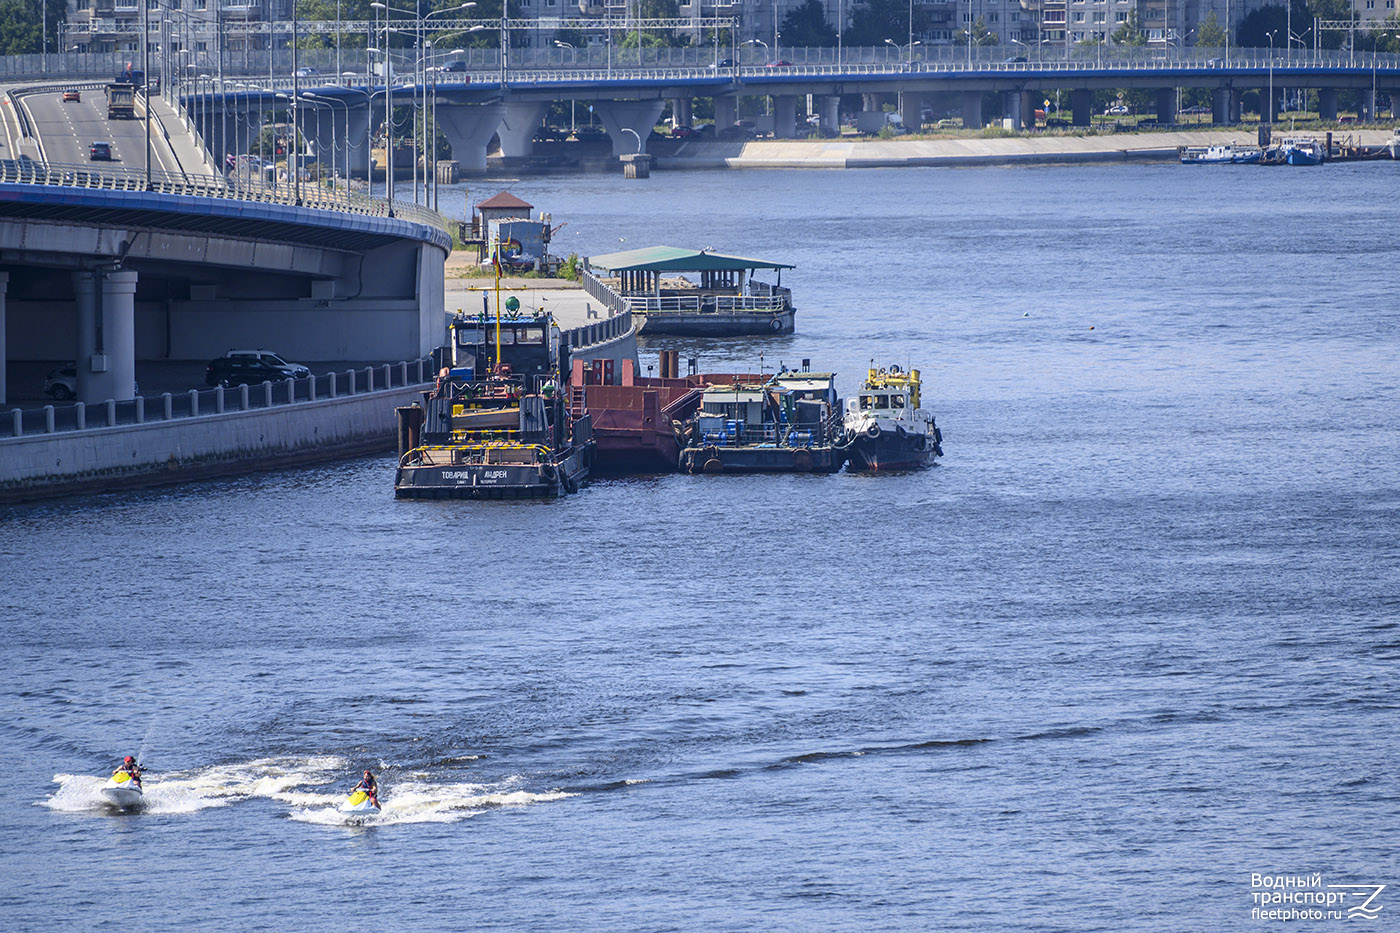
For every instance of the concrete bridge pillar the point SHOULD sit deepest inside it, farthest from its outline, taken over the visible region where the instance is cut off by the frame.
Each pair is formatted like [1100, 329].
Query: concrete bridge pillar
[4, 286]
[726, 112]
[635, 116]
[469, 128]
[517, 129]
[911, 109]
[972, 109]
[358, 134]
[681, 112]
[1221, 104]
[1011, 113]
[1366, 105]
[784, 117]
[1268, 104]
[118, 336]
[1236, 105]
[1081, 102]
[831, 115]
[1027, 109]
[85, 302]
[1327, 104]
[1166, 105]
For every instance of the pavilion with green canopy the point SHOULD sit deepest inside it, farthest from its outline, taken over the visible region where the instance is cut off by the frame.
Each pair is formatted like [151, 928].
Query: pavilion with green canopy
[639, 271]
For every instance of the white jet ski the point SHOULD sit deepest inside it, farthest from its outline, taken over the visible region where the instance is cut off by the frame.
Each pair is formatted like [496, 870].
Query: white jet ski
[122, 791]
[360, 804]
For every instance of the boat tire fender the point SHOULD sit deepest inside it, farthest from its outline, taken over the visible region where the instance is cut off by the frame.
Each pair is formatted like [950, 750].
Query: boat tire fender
[570, 484]
[548, 472]
[714, 465]
[802, 460]
[920, 442]
[777, 325]
[873, 430]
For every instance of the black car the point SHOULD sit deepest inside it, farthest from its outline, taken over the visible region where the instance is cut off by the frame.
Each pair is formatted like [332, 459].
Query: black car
[455, 67]
[250, 370]
[100, 152]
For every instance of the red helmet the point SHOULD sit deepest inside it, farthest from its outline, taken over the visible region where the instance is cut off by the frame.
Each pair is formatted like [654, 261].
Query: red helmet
[367, 772]
[128, 760]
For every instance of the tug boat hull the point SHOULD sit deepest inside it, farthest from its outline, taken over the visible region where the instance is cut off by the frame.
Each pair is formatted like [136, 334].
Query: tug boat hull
[890, 451]
[491, 480]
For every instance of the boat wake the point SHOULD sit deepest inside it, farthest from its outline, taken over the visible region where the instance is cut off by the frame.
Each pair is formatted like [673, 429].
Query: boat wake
[415, 800]
[314, 787]
[200, 788]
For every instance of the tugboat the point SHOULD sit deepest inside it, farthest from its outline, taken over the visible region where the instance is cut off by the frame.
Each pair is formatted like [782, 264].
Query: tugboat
[885, 429]
[785, 425]
[496, 424]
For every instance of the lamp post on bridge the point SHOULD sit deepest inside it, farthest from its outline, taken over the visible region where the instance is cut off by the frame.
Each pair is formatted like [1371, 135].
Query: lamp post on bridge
[1270, 36]
[345, 149]
[908, 53]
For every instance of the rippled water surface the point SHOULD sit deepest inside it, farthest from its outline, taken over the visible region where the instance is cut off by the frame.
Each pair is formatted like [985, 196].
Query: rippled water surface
[1133, 639]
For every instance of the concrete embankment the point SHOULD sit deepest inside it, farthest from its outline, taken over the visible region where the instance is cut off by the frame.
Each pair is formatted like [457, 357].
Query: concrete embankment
[37, 466]
[955, 151]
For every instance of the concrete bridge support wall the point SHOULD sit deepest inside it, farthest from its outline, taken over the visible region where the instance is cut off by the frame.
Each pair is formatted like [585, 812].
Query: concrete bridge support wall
[726, 112]
[1012, 112]
[1366, 105]
[911, 109]
[517, 129]
[1268, 104]
[831, 115]
[636, 116]
[4, 286]
[784, 117]
[1327, 104]
[1224, 105]
[469, 128]
[1166, 105]
[1081, 102]
[358, 157]
[85, 303]
[681, 112]
[972, 109]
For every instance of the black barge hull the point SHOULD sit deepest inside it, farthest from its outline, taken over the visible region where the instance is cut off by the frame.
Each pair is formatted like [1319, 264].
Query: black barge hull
[892, 452]
[761, 459]
[491, 481]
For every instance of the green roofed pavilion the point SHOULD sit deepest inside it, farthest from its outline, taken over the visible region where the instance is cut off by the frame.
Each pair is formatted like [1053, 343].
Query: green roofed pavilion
[675, 259]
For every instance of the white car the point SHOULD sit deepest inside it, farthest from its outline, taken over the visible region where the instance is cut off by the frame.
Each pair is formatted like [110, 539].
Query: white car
[1117, 110]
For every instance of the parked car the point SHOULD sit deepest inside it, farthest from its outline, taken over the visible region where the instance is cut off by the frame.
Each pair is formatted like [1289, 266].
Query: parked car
[61, 384]
[548, 134]
[250, 367]
[71, 95]
[683, 132]
[100, 152]
[705, 129]
[1116, 110]
[590, 133]
[950, 124]
[1197, 109]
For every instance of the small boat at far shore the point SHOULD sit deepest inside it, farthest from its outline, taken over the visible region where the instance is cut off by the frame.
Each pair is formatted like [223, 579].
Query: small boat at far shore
[1303, 151]
[1225, 154]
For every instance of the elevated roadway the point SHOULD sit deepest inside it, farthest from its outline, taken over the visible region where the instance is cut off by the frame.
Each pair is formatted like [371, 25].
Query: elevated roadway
[106, 263]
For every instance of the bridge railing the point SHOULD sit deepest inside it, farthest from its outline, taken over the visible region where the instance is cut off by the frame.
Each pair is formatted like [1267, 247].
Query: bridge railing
[29, 172]
[525, 66]
[220, 400]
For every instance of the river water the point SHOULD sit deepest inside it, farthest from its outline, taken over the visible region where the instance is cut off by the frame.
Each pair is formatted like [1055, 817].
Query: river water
[1133, 640]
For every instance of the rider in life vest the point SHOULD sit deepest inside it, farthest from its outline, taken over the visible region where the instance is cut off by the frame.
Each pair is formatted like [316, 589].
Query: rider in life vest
[370, 786]
[129, 766]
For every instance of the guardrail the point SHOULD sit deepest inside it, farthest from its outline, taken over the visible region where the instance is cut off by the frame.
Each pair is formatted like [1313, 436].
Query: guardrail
[29, 172]
[765, 298]
[526, 66]
[593, 334]
[220, 400]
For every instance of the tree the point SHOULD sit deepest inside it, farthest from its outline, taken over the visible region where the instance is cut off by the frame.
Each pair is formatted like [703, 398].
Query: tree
[19, 26]
[1210, 35]
[1254, 29]
[806, 25]
[981, 35]
[878, 20]
[1130, 32]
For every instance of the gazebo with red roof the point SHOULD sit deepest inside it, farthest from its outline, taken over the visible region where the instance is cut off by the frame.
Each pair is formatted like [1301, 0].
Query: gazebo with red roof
[503, 206]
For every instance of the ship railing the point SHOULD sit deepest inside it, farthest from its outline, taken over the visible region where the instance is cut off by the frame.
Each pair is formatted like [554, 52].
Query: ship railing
[599, 289]
[789, 435]
[590, 335]
[218, 401]
[710, 304]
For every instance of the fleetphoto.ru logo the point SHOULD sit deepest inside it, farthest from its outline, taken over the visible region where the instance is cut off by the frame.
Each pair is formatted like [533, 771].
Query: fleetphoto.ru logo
[1305, 897]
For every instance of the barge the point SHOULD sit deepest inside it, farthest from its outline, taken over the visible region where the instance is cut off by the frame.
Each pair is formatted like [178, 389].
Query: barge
[788, 424]
[496, 425]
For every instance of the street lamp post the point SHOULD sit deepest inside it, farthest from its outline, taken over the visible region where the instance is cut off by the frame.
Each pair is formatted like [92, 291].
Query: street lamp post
[909, 50]
[1271, 77]
[345, 149]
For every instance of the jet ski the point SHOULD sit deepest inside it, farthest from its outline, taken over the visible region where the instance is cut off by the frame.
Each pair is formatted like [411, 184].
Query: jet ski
[360, 804]
[123, 791]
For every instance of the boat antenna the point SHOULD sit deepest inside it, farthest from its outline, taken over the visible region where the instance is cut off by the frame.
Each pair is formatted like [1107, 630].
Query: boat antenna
[496, 261]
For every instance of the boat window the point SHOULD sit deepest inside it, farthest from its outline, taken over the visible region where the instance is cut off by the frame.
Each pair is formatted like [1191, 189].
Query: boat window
[866, 401]
[507, 336]
[468, 336]
[882, 401]
[897, 401]
[533, 335]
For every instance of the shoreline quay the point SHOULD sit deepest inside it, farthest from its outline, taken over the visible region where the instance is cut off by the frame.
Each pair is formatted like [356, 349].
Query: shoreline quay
[968, 151]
